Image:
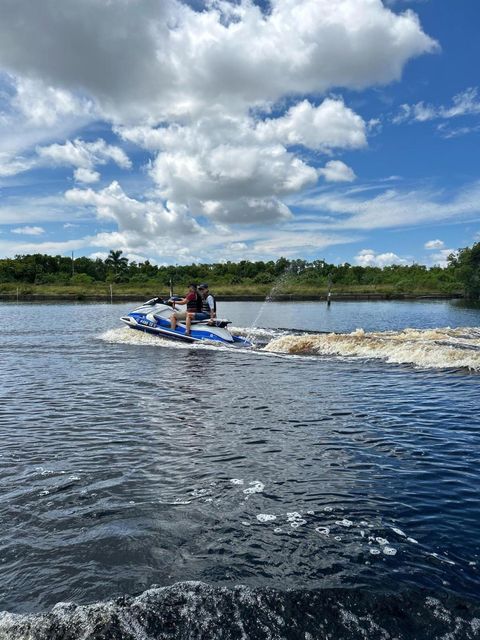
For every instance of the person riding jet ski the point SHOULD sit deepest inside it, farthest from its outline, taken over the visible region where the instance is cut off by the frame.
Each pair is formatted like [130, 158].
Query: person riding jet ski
[194, 303]
[209, 304]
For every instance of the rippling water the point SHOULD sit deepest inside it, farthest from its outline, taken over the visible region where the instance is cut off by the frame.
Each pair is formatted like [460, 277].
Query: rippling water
[314, 470]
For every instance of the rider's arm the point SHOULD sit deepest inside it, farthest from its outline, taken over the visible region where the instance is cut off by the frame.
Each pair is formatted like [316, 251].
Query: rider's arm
[212, 307]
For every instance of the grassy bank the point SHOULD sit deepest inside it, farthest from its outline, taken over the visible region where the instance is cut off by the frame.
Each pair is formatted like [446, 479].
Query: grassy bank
[101, 291]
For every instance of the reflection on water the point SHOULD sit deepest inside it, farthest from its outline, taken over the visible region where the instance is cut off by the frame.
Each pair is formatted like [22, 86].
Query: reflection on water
[128, 462]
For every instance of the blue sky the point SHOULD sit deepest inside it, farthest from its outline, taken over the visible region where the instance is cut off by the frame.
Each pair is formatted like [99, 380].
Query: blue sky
[339, 129]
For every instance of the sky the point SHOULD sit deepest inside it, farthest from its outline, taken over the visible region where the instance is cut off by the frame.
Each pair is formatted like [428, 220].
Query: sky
[206, 131]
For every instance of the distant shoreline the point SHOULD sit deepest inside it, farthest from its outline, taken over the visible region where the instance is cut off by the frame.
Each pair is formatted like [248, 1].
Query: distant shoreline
[335, 297]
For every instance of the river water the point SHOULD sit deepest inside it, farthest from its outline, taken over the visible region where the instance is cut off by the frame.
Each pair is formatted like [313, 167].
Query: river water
[318, 485]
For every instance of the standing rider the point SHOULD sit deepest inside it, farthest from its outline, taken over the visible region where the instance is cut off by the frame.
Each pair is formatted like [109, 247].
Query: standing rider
[209, 304]
[194, 302]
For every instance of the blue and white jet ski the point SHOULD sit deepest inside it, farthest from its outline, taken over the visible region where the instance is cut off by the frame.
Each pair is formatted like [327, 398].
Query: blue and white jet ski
[154, 316]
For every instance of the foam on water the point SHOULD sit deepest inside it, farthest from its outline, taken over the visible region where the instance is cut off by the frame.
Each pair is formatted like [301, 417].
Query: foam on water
[127, 336]
[124, 335]
[266, 517]
[255, 487]
[431, 348]
[195, 610]
[356, 535]
[353, 537]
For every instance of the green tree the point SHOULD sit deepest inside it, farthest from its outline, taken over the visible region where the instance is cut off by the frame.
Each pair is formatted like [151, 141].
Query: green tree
[466, 265]
[117, 263]
[81, 279]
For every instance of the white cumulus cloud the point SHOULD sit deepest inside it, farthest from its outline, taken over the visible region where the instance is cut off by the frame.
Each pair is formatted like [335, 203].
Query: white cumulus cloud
[246, 210]
[29, 231]
[36, 113]
[217, 96]
[77, 153]
[328, 126]
[434, 244]
[140, 224]
[440, 259]
[223, 158]
[45, 106]
[337, 171]
[85, 155]
[144, 59]
[228, 172]
[370, 258]
[87, 176]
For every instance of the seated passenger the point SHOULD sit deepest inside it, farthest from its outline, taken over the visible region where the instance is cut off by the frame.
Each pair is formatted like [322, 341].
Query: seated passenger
[209, 304]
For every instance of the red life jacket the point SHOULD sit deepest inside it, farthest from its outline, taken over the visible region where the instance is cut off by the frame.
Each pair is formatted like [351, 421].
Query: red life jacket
[194, 302]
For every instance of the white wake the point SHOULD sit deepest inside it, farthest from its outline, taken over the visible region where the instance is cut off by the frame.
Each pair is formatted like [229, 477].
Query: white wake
[431, 348]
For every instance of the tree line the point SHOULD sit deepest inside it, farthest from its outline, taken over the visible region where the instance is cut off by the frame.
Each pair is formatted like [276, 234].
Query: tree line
[461, 273]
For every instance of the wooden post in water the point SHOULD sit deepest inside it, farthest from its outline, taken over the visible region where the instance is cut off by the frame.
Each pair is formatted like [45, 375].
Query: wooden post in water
[329, 301]
[17, 295]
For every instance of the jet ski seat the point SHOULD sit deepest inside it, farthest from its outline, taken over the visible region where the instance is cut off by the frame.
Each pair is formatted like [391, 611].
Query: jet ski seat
[216, 323]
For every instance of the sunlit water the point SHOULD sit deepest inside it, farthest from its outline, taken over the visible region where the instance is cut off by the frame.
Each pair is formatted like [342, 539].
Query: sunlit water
[342, 469]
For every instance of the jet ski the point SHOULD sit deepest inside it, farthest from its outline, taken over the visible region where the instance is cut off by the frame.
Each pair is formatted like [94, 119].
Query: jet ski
[154, 316]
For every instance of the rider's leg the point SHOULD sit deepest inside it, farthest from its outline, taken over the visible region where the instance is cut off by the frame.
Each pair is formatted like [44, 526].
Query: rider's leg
[188, 323]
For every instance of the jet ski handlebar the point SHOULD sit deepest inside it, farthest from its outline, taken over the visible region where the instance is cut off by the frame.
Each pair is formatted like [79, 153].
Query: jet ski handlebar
[168, 301]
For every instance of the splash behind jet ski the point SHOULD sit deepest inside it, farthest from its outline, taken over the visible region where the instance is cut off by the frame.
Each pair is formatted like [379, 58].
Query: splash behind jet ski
[154, 316]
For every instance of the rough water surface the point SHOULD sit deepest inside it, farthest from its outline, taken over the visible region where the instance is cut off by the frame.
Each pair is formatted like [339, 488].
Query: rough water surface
[428, 348]
[189, 611]
[323, 484]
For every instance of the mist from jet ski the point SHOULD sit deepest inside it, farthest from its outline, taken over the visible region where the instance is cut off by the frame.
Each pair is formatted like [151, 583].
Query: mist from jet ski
[154, 316]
